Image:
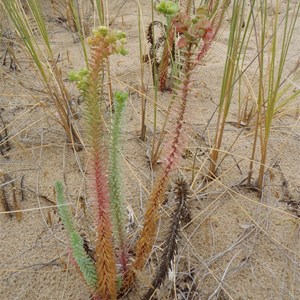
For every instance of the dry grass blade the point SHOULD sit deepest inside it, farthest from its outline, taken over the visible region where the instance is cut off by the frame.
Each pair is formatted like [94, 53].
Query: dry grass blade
[50, 74]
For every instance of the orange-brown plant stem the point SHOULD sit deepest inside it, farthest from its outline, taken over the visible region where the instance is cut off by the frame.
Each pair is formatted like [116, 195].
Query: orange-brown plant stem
[105, 259]
[167, 53]
[147, 237]
[181, 213]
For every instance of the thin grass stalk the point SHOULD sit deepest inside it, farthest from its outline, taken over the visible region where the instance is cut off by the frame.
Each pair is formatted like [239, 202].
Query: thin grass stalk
[157, 149]
[50, 75]
[100, 11]
[274, 81]
[260, 99]
[106, 14]
[242, 115]
[70, 17]
[289, 93]
[103, 9]
[230, 71]
[143, 89]
[262, 105]
[16, 13]
[79, 27]
[270, 88]
[154, 75]
[35, 9]
[109, 86]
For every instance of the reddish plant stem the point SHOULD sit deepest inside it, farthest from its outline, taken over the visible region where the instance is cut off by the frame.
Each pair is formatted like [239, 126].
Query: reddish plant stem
[147, 237]
[167, 53]
[105, 259]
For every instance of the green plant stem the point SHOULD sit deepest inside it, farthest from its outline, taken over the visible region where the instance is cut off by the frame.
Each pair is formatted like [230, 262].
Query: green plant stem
[84, 262]
[143, 89]
[78, 22]
[100, 11]
[115, 185]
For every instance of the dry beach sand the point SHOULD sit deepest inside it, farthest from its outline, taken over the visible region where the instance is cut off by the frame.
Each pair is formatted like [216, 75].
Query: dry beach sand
[237, 246]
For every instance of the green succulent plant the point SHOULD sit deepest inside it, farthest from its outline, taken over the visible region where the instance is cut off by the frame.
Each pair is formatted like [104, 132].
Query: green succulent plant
[168, 8]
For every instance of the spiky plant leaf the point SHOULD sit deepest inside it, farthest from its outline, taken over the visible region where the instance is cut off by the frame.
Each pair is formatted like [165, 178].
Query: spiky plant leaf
[115, 185]
[84, 262]
[63, 210]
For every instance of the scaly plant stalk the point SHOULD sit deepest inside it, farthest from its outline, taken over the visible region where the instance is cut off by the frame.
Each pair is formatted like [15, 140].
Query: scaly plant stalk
[170, 49]
[198, 26]
[50, 74]
[188, 6]
[156, 198]
[166, 57]
[180, 214]
[105, 260]
[83, 261]
[103, 43]
[146, 240]
[115, 185]
[170, 10]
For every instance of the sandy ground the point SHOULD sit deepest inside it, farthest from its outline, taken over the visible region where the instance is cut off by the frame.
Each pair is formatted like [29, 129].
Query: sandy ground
[236, 246]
